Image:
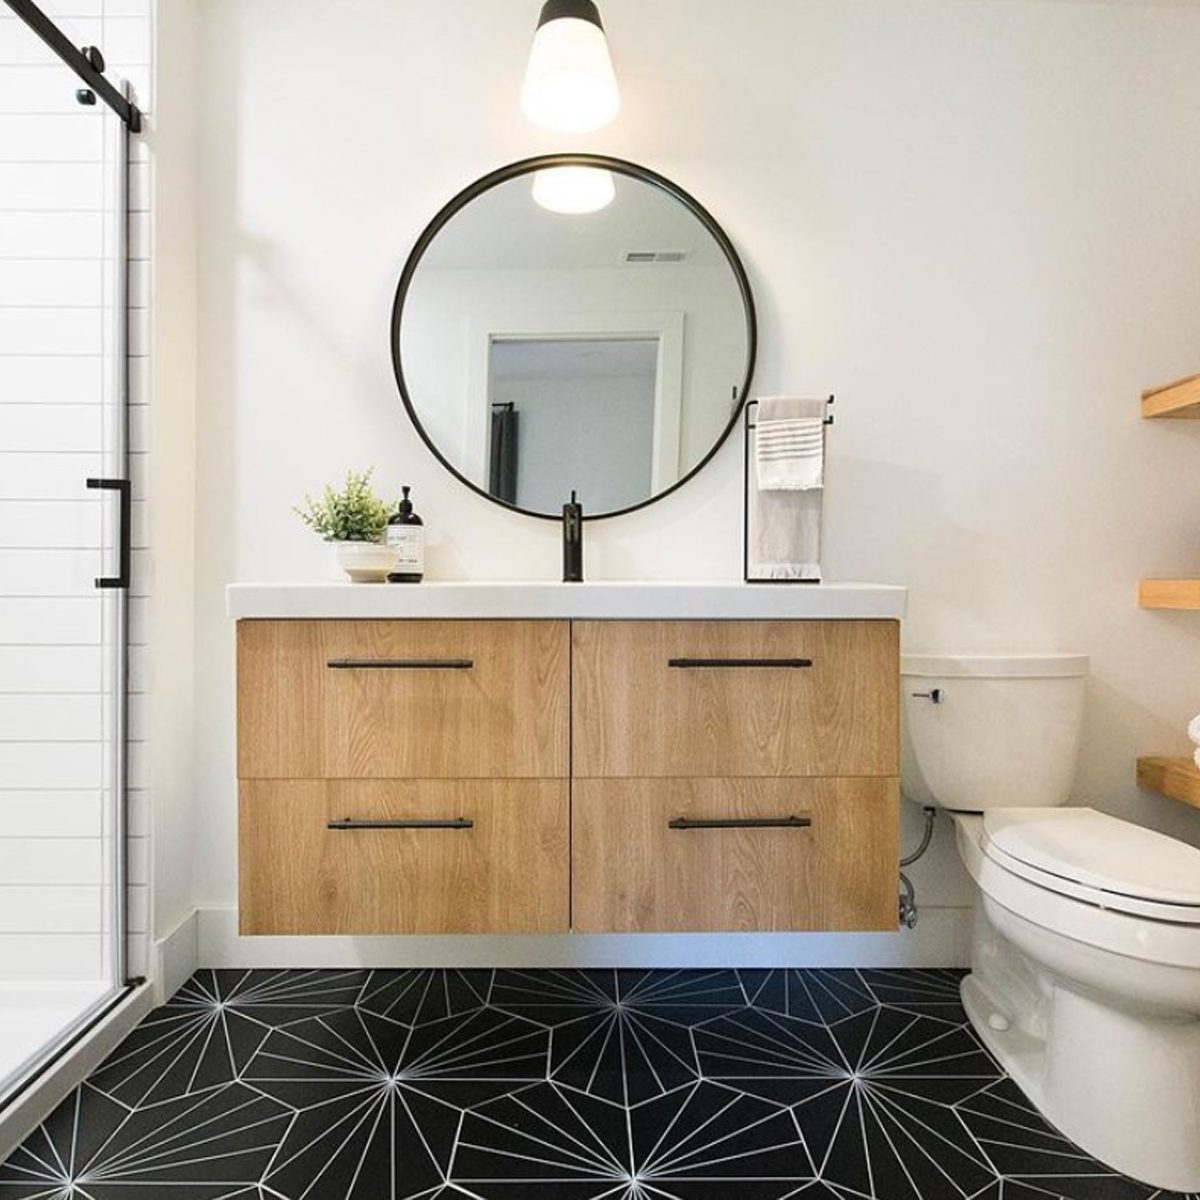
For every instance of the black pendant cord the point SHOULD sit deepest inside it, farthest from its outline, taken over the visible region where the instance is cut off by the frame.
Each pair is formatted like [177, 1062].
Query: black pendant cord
[87, 63]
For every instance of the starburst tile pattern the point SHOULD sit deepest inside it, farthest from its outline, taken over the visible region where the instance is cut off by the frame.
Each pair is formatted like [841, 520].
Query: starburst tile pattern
[204, 1147]
[556, 1085]
[620, 1035]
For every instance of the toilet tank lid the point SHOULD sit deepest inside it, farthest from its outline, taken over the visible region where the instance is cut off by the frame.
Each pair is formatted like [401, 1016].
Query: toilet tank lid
[995, 666]
[1091, 848]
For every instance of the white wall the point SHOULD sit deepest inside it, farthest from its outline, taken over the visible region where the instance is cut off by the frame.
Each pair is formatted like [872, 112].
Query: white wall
[57, 234]
[172, 143]
[977, 221]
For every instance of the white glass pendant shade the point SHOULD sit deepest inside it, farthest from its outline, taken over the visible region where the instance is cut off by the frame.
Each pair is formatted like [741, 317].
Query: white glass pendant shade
[570, 85]
[574, 189]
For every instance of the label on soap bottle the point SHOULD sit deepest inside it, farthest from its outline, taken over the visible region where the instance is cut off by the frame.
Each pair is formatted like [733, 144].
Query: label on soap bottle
[409, 543]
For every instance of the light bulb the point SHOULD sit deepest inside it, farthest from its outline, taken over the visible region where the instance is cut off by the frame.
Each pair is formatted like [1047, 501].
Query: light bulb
[570, 85]
[574, 190]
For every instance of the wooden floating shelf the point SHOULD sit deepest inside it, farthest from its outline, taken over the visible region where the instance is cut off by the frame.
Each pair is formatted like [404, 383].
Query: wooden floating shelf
[1178, 778]
[1178, 399]
[1169, 593]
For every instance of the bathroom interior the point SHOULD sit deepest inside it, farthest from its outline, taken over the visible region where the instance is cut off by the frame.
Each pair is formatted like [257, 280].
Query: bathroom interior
[599, 600]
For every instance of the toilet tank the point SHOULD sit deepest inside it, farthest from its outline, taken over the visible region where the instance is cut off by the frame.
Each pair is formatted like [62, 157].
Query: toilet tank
[991, 732]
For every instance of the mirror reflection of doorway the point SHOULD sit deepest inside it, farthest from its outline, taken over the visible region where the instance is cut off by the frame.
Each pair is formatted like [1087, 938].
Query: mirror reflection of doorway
[572, 414]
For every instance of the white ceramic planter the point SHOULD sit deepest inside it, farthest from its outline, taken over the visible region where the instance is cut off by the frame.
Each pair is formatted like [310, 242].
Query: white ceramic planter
[365, 562]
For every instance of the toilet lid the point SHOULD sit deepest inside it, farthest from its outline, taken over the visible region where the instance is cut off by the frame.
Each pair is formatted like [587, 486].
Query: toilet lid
[1089, 848]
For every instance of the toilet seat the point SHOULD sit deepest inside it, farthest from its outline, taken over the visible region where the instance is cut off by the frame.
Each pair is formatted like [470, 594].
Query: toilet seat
[1075, 911]
[1101, 860]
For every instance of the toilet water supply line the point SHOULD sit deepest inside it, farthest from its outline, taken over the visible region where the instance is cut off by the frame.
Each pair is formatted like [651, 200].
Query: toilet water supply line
[908, 894]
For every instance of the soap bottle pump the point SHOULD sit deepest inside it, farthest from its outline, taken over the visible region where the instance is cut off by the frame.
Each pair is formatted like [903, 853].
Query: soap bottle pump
[406, 535]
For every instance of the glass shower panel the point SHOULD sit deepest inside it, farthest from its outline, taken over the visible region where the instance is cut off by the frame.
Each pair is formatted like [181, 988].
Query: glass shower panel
[62, 637]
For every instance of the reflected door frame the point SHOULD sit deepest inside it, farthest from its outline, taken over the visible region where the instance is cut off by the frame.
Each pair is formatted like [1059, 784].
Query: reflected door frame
[665, 327]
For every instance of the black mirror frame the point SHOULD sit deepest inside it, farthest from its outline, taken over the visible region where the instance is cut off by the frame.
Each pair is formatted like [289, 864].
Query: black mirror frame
[528, 166]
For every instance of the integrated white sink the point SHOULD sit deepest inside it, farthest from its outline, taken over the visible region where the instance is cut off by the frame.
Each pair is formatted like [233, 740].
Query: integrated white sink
[621, 600]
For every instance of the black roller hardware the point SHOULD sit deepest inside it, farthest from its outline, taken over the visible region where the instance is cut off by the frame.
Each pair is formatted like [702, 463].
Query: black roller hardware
[87, 63]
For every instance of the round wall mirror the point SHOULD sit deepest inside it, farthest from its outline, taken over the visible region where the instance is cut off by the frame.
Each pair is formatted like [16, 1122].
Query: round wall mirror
[573, 323]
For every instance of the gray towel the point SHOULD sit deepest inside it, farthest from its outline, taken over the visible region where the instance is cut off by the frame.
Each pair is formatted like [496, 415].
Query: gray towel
[784, 502]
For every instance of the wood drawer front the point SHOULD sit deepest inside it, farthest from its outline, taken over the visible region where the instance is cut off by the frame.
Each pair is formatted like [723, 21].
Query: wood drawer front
[405, 700]
[507, 873]
[731, 706]
[632, 873]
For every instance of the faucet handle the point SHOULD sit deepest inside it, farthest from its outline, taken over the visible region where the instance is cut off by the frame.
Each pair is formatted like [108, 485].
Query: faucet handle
[573, 540]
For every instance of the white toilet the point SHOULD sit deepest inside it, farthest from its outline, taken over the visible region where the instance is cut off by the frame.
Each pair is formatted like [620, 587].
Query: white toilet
[1085, 979]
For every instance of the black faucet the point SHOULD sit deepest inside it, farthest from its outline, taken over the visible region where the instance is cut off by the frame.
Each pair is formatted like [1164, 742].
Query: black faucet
[573, 541]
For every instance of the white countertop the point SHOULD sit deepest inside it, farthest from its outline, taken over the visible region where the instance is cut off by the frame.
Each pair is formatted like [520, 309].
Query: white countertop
[603, 600]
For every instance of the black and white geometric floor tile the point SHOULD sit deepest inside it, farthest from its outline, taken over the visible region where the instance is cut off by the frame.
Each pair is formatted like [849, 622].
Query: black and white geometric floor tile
[555, 1085]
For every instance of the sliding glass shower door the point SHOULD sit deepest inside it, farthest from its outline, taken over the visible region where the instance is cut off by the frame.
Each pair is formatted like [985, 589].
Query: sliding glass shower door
[64, 507]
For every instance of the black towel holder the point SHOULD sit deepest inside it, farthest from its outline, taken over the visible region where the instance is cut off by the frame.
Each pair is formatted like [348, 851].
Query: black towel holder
[748, 426]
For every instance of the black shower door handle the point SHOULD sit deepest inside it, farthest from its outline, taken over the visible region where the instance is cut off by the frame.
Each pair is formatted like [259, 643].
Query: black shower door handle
[125, 490]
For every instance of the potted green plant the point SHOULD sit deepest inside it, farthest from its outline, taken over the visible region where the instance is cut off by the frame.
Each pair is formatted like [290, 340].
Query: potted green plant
[354, 520]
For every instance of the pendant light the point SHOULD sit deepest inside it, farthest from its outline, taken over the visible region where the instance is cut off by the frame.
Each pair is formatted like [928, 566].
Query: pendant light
[574, 190]
[570, 85]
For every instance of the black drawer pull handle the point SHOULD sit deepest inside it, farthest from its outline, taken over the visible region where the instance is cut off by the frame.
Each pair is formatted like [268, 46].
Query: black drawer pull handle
[449, 823]
[400, 664]
[740, 823]
[688, 663]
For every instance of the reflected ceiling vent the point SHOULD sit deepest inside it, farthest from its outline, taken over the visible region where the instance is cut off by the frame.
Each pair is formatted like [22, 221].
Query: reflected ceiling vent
[653, 256]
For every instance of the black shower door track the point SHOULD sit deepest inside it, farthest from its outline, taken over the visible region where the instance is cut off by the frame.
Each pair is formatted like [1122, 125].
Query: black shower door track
[86, 62]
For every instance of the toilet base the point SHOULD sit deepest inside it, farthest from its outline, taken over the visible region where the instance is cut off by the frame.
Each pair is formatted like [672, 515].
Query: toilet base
[1123, 1085]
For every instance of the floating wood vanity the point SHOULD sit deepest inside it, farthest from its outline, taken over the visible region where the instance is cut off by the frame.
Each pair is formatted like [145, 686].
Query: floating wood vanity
[538, 758]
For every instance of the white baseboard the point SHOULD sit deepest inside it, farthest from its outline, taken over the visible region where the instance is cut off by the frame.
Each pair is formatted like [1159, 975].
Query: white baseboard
[941, 939]
[20, 1118]
[176, 957]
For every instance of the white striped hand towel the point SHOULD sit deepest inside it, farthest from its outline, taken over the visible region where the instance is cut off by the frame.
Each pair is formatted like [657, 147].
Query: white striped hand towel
[785, 500]
[789, 444]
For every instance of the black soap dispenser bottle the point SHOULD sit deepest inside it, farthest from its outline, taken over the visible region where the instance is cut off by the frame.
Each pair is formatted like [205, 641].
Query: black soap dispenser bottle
[406, 535]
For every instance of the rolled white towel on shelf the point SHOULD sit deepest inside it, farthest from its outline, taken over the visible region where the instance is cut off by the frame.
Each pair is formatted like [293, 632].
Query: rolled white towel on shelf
[1194, 730]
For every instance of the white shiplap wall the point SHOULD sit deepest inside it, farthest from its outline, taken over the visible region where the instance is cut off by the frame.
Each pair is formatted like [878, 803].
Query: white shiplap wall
[52, 236]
